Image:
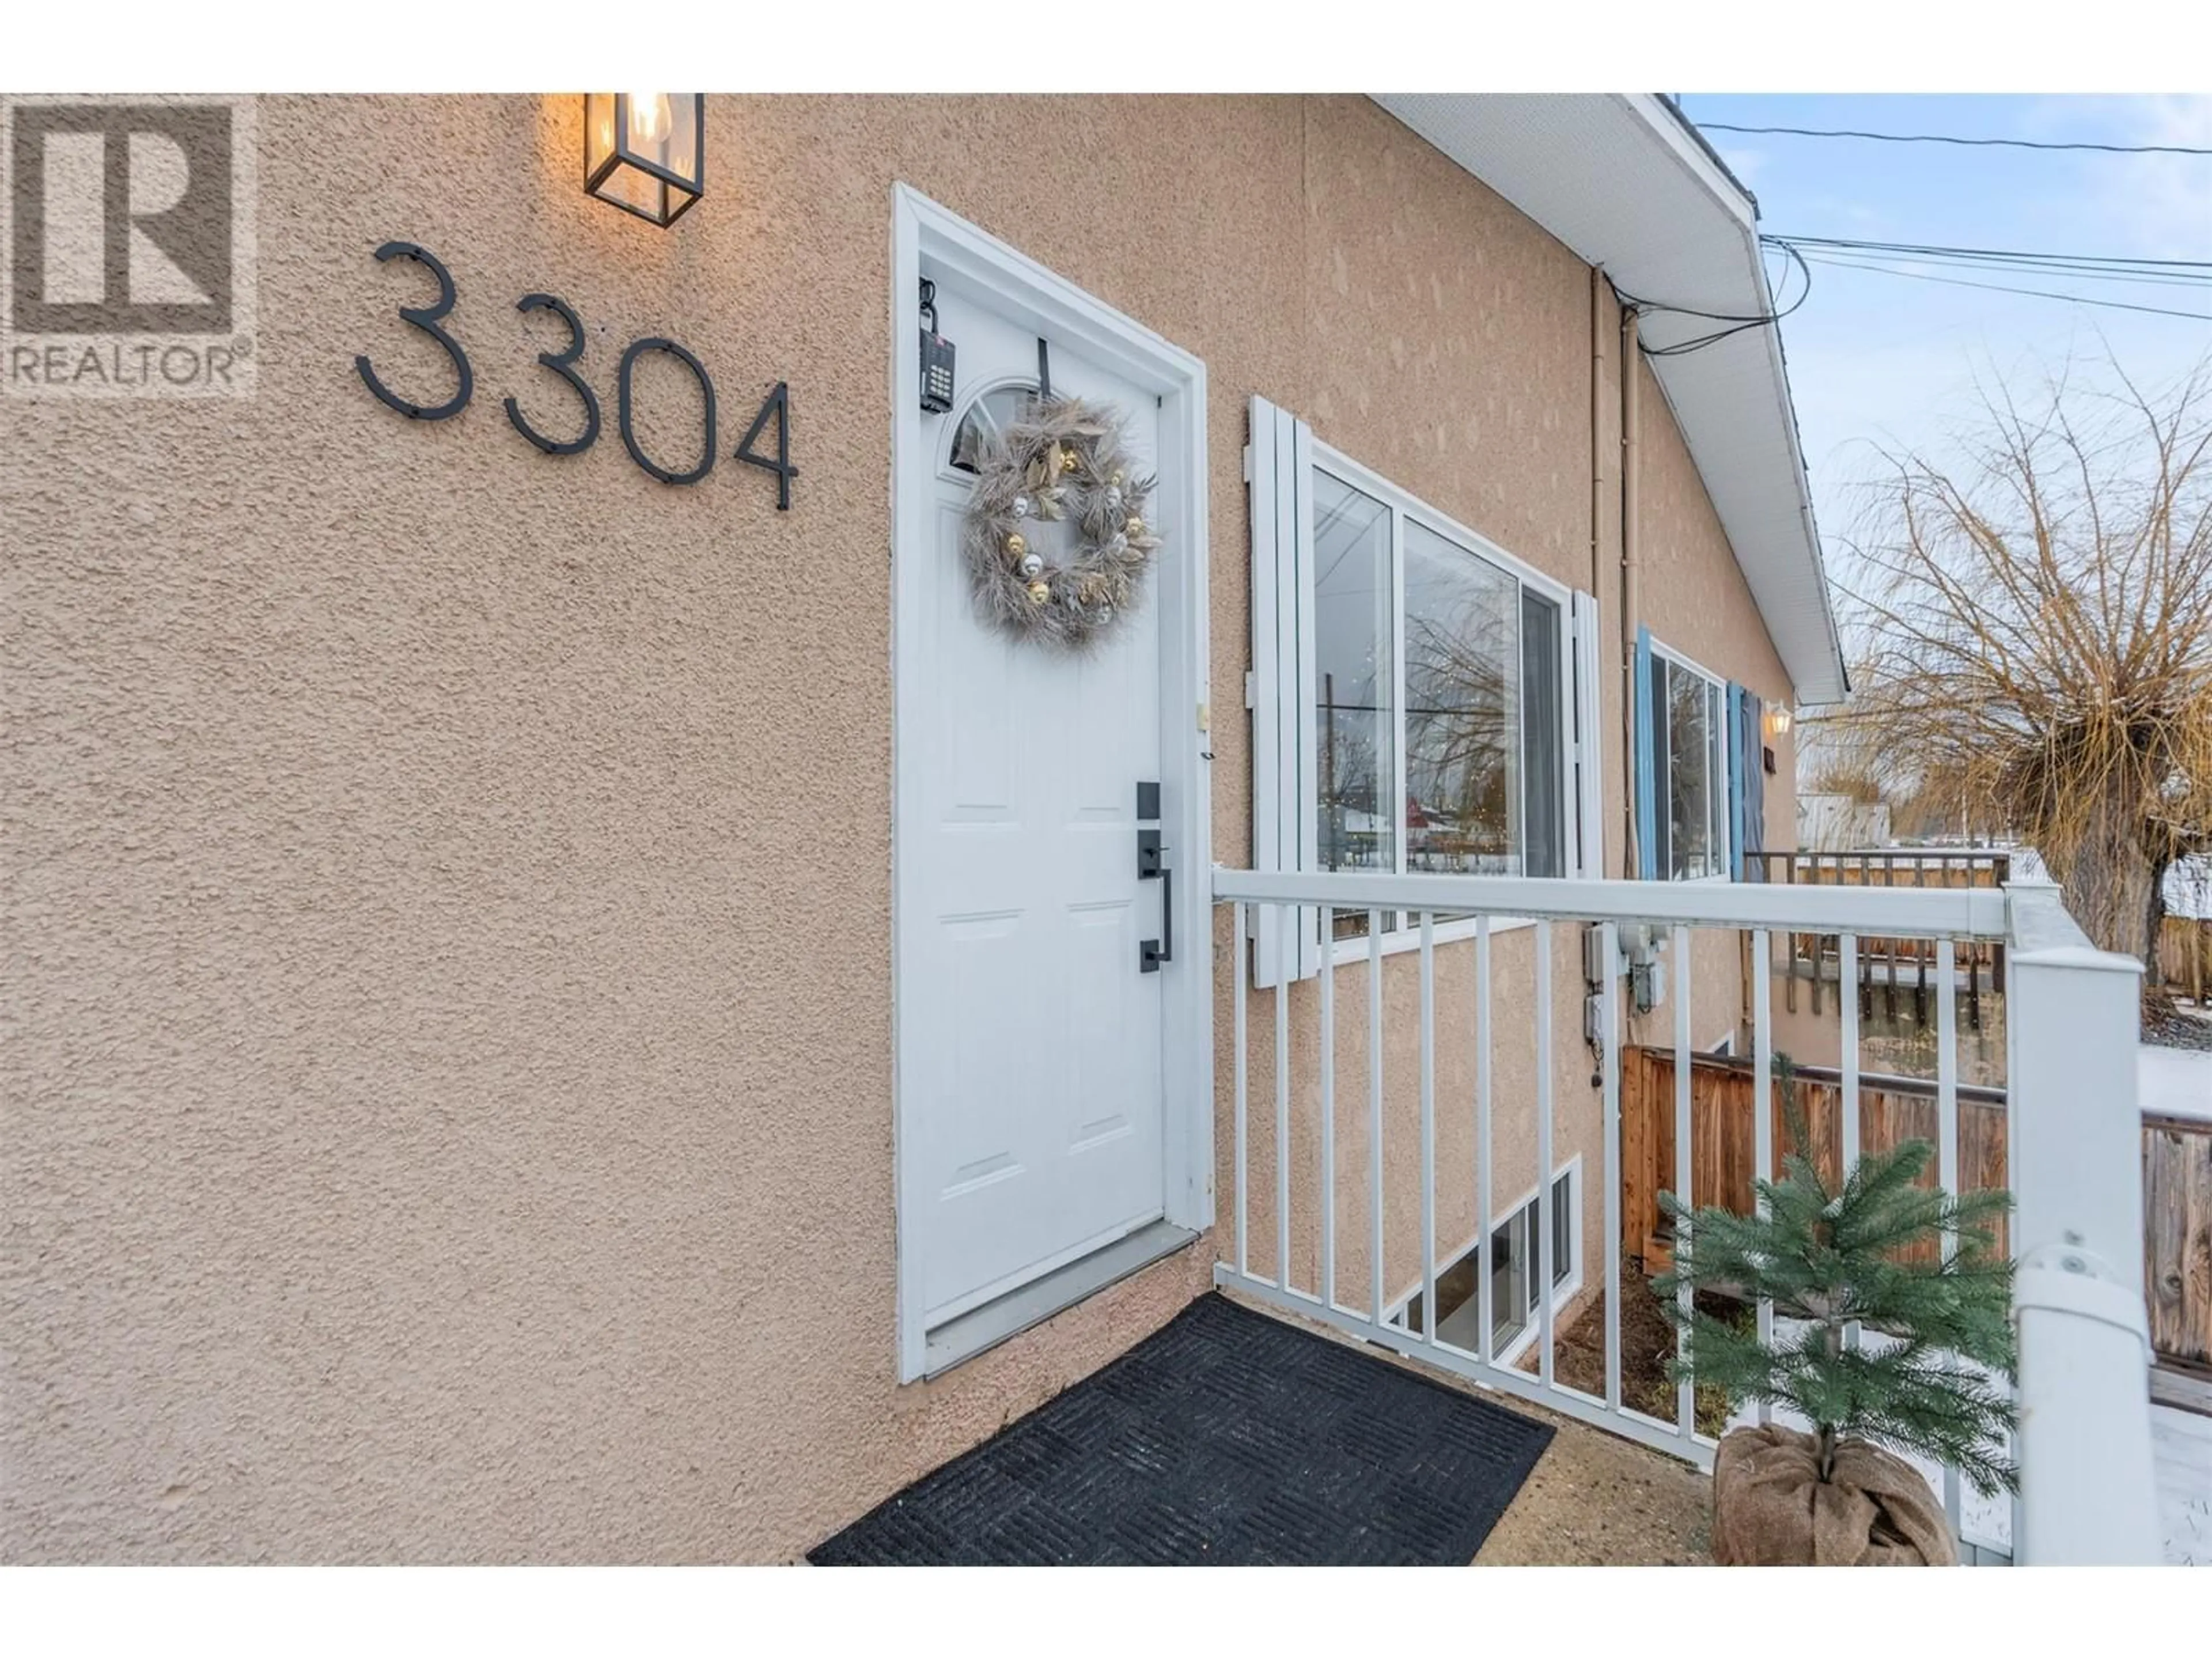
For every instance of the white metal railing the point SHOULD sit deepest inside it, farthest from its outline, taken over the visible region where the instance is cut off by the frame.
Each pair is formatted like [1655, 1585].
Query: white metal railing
[2071, 1034]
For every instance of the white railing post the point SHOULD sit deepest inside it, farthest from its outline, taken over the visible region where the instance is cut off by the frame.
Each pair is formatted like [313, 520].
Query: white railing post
[1283, 1132]
[1428, 1125]
[1482, 1166]
[1947, 1145]
[2088, 1491]
[1762, 1106]
[1847, 1005]
[1328, 979]
[1685, 1391]
[1609, 1023]
[1236, 1061]
[1374, 1109]
[1542, 1253]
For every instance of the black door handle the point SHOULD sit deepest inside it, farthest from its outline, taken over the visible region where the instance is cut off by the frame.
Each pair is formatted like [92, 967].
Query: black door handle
[1151, 952]
[1153, 864]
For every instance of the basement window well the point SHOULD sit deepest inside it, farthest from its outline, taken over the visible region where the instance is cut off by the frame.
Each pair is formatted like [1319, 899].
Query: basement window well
[1512, 1263]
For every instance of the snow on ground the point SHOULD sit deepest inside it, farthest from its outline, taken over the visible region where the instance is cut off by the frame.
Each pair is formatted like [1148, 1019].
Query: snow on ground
[2174, 1082]
[2181, 1447]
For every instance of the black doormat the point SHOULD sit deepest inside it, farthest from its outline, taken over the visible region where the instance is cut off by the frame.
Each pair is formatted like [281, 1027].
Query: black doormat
[1228, 1436]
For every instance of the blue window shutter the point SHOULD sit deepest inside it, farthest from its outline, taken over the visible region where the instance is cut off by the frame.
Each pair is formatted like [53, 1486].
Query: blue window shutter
[1647, 782]
[1755, 773]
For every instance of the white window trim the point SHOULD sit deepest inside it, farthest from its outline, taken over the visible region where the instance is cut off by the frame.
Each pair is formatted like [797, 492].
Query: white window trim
[1719, 682]
[1406, 506]
[1562, 1294]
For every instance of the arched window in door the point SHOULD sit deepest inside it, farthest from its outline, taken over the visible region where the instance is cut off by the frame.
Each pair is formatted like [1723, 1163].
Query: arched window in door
[988, 415]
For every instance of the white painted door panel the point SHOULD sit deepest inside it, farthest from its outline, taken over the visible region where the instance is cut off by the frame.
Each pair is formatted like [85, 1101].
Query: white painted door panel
[1040, 1096]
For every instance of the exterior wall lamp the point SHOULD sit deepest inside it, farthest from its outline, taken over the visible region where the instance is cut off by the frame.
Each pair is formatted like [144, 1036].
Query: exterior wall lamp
[645, 152]
[1778, 719]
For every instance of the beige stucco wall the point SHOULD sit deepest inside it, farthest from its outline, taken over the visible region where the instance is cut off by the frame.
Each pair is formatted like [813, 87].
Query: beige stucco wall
[1539, 504]
[1450, 348]
[448, 1066]
[1696, 602]
[1700, 606]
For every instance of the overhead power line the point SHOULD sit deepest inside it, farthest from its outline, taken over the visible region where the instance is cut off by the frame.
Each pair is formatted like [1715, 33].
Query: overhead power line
[1920, 260]
[1953, 138]
[1913, 261]
[1939, 251]
[2001, 288]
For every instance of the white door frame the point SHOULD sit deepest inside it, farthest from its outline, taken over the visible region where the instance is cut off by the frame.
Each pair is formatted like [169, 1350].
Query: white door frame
[927, 239]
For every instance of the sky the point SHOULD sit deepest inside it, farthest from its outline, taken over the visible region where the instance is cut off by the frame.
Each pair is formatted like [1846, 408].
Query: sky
[1881, 359]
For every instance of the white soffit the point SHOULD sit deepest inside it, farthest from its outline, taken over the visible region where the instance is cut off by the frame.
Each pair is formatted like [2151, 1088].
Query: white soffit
[1625, 183]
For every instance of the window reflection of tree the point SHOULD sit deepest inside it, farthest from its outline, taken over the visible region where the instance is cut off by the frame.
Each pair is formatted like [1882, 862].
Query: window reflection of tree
[1347, 777]
[1690, 776]
[1354, 833]
[1357, 733]
[1462, 740]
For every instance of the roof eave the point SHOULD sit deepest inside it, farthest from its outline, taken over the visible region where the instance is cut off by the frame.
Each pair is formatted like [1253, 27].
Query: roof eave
[1668, 221]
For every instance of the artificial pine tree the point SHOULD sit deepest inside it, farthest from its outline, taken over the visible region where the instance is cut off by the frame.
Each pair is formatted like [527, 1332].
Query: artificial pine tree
[1832, 1259]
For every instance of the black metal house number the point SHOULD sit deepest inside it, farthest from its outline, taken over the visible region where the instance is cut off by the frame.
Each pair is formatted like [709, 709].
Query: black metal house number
[776, 406]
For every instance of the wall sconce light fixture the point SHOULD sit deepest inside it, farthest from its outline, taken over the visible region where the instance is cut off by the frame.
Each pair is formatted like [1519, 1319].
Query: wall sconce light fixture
[645, 152]
[1778, 719]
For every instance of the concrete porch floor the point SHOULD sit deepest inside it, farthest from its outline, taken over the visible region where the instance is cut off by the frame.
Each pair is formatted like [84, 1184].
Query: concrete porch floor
[1595, 1500]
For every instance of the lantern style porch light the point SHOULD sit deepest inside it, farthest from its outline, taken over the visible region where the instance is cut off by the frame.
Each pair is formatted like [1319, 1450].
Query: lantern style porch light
[645, 152]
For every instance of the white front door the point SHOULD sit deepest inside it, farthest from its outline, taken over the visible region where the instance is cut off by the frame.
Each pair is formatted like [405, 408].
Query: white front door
[1035, 1085]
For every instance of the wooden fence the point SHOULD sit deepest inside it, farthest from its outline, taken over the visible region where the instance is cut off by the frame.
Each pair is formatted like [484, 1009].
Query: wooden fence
[1894, 975]
[1891, 1109]
[2177, 1168]
[2177, 1240]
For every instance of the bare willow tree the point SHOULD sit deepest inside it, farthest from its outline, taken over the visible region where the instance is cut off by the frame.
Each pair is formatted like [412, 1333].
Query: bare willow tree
[2034, 637]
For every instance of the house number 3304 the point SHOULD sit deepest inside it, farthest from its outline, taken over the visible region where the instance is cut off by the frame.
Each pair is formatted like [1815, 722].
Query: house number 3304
[430, 319]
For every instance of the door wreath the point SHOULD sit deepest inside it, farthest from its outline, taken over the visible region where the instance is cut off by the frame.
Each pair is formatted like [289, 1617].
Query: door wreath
[1063, 460]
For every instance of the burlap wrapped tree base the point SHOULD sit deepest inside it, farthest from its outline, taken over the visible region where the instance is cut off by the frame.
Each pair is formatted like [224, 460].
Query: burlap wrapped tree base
[1770, 1508]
